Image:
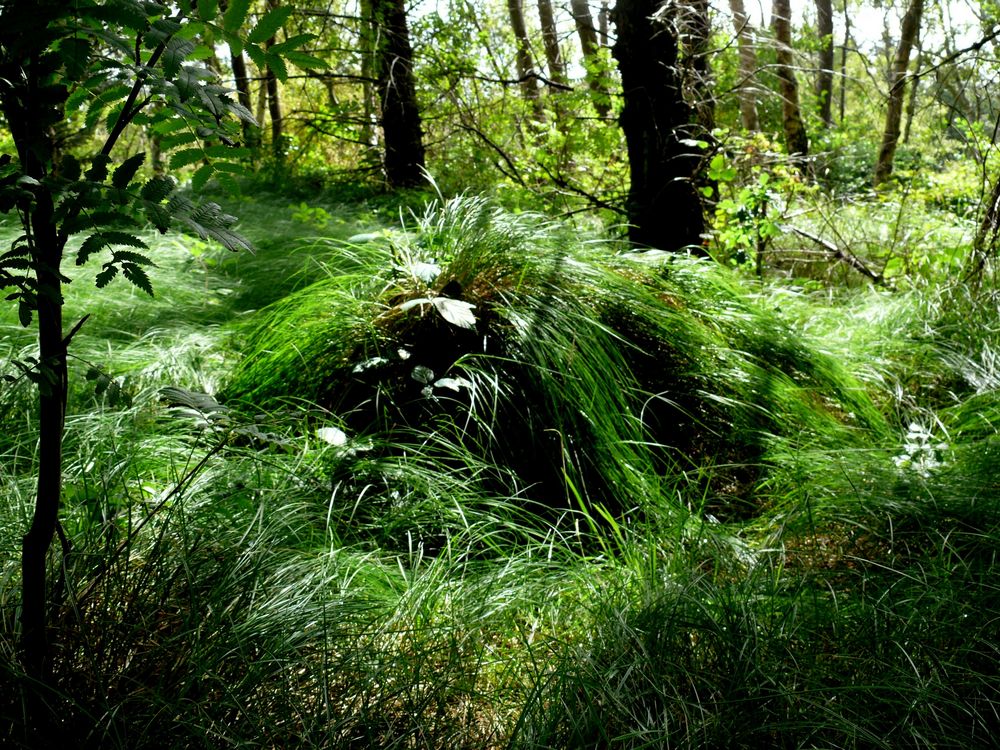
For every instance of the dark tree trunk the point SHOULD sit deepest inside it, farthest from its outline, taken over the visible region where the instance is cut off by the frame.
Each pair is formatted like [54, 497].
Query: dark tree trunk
[796, 140]
[897, 88]
[824, 75]
[401, 127]
[602, 23]
[664, 208]
[550, 38]
[29, 117]
[274, 100]
[588, 43]
[696, 27]
[748, 66]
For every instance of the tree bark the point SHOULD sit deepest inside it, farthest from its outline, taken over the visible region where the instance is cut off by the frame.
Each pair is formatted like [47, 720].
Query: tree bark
[796, 140]
[550, 38]
[843, 63]
[824, 74]
[522, 56]
[403, 160]
[588, 43]
[274, 100]
[602, 23]
[897, 88]
[748, 66]
[696, 32]
[663, 205]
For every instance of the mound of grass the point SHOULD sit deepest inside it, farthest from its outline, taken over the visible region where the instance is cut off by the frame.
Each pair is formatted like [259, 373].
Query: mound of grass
[590, 374]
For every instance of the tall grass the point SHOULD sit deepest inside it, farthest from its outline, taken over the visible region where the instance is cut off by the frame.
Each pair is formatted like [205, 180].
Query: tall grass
[636, 503]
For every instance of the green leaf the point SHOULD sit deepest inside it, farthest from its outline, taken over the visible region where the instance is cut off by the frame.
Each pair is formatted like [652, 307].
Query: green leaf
[235, 15]
[304, 61]
[294, 43]
[228, 152]
[186, 157]
[208, 9]
[257, 55]
[100, 240]
[127, 256]
[138, 277]
[105, 276]
[277, 66]
[158, 189]
[268, 26]
[98, 171]
[176, 52]
[75, 56]
[202, 176]
[124, 174]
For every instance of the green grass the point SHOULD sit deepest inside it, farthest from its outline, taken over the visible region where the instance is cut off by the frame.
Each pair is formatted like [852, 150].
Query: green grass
[640, 503]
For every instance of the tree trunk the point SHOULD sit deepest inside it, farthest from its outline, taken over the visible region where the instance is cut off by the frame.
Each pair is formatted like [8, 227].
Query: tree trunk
[911, 103]
[796, 140]
[522, 56]
[897, 87]
[824, 74]
[664, 208]
[696, 31]
[25, 111]
[843, 63]
[403, 160]
[251, 134]
[748, 66]
[588, 43]
[274, 112]
[602, 23]
[550, 38]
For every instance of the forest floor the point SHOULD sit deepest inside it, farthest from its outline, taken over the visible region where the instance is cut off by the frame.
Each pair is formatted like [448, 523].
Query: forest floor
[463, 478]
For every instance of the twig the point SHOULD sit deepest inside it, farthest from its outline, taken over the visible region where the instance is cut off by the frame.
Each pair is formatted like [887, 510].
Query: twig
[838, 254]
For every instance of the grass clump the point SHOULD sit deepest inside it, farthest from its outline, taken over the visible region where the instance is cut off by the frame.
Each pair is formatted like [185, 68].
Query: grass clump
[588, 373]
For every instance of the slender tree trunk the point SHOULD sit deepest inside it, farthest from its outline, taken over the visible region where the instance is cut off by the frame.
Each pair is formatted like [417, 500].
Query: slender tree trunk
[522, 56]
[368, 43]
[550, 38]
[824, 74]
[897, 88]
[251, 134]
[911, 103]
[696, 32]
[401, 126]
[748, 66]
[663, 205]
[588, 43]
[602, 23]
[843, 62]
[796, 140]
[25, 108]
[274, 112]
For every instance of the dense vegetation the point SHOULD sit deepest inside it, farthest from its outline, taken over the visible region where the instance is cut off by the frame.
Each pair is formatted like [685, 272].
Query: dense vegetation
[460, 460]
